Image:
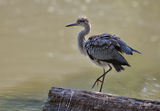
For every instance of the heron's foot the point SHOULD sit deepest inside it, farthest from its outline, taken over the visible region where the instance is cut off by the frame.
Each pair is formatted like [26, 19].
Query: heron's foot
[96, 82]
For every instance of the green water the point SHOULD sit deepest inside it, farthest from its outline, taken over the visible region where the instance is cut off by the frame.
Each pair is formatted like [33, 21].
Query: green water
[38, 52]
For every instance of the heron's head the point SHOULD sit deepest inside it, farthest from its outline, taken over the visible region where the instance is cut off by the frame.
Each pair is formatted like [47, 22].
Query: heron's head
[80, 22]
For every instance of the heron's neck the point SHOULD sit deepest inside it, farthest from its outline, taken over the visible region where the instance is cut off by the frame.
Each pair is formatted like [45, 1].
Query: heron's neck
[81, 38]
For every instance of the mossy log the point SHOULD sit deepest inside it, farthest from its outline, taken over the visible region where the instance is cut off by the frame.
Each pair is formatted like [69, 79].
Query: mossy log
[64, 99]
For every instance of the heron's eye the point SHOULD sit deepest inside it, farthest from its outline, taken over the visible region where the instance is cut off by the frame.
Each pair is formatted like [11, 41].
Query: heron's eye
[79, 21]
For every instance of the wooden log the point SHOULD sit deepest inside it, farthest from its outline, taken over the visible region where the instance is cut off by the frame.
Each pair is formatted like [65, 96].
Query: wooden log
[64, 99]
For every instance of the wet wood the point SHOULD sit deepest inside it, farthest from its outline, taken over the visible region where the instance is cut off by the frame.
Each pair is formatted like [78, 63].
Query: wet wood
[64, 99]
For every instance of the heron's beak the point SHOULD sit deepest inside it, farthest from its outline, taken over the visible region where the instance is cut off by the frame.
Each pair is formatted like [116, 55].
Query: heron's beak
[70, 25]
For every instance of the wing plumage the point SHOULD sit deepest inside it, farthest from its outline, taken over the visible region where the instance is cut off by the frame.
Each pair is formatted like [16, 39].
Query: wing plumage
[107, 48]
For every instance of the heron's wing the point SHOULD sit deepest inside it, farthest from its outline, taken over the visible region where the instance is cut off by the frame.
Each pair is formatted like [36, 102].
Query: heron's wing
[123, 47]
[104, 48]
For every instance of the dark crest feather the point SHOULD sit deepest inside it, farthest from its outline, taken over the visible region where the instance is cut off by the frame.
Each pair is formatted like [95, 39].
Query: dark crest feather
[82, 19]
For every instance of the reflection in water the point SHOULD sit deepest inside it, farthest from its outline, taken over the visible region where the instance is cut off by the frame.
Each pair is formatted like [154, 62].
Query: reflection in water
[38, 52]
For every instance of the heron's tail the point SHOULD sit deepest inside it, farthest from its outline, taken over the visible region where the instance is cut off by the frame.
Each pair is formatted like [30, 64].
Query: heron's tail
[134, 50]
[118, 67]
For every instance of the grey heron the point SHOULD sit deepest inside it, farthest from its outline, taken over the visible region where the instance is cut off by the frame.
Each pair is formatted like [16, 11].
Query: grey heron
[103, 50]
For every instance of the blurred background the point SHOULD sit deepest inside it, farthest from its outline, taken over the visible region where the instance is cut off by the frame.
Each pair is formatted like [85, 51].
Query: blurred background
[38, 52]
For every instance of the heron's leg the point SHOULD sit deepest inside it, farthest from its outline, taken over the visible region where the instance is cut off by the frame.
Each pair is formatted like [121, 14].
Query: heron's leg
[103, 75]
[102, 80]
